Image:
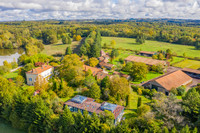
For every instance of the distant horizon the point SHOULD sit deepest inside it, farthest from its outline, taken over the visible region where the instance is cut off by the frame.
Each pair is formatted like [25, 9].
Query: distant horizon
[84, 19]
[32, 10]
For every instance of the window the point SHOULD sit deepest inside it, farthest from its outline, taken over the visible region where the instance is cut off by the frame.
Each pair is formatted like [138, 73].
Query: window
[30, 79]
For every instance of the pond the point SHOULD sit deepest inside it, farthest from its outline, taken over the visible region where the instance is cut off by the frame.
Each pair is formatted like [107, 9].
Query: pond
[10, 54]
[6, 128]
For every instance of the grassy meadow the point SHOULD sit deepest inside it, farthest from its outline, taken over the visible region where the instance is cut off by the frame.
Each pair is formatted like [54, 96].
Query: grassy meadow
[11, 75]
[131, 111]
[58, 48]
[129, 43]
[189, 64]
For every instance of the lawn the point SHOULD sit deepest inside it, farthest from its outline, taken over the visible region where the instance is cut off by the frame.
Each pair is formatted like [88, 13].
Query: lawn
[56, 48]
[129, 43]
[149, 76]
[131, 112]
[189, 64]
[11, 75]
[176, 60]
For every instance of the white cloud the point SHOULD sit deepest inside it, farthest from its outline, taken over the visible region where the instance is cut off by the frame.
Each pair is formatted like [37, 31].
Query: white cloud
[88, 9]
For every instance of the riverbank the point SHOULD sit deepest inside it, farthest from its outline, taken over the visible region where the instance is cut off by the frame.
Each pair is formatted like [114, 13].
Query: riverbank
[6, 128]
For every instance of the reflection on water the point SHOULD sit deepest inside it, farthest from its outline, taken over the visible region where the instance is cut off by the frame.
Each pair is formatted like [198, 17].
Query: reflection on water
[10, 54]
[5, 128]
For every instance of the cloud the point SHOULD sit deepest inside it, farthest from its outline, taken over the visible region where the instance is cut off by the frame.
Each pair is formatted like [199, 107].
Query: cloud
[11, 10]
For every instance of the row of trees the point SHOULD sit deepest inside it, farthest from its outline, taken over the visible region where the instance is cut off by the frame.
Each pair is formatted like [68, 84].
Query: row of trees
[91, 45]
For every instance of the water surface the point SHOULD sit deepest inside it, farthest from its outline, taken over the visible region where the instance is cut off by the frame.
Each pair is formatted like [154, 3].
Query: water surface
[10, 54]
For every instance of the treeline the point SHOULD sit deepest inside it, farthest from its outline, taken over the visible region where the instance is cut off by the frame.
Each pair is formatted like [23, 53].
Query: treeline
[92, 45]
[12, 35]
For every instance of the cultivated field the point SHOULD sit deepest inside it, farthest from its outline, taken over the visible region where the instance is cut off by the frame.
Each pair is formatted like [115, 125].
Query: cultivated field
[129, 43]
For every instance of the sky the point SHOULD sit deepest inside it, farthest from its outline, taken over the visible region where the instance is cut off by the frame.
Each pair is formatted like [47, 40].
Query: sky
[14, 10]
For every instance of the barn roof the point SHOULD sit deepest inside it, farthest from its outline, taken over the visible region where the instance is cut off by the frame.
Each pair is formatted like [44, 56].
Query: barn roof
[147, 61]
[191, 70]
[173, 80]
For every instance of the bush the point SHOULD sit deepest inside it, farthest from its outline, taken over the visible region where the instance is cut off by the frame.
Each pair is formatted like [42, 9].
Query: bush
[121, 60]
[3, 70]
[180, 90]
[174, 91]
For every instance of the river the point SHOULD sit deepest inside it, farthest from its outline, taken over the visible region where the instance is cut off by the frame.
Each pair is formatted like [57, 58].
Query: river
[10, 54]
[6, 128]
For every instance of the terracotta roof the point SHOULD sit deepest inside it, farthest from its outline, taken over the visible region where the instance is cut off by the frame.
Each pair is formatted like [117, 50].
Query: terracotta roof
[94, 70]
[146, 52]
[147, 61]
[92, 106]
[102, 75]
[101, 58]
[39, 70]
[191, 70]
[173, 80]
[102, 53]
[103, 64]
[120, 74]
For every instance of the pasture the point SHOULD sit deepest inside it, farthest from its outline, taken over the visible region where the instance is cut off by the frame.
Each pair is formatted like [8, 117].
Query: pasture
[189, 64]
[129, 43]
[58, 48]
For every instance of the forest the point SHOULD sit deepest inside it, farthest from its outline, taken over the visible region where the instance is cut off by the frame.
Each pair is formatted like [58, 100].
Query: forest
[146, 111]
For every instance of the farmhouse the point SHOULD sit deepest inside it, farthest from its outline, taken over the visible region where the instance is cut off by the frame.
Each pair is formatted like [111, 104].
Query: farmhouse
[97, 72]
[192, 72]
[106, 65]
[94, 70]
[146, 53]
[45, 71]
[122, 75]
[169, 81]
[83, 103]
[147, 61]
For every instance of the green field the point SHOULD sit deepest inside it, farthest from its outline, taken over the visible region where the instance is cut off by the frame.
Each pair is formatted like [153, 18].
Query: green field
[189, 64]
[56, 48]
[11, 75]
[129, 43]
[149, 76]
[131, 112]
[176, 60]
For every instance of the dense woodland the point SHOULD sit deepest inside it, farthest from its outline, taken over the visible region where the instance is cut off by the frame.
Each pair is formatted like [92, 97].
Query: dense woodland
[20, 34]
[44, 112]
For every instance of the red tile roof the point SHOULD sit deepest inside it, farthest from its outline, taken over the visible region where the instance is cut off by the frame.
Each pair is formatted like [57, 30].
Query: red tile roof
[146, 52]
[147, 61]
[191, 70]
[173, 80]
[94, 70]
[39, 70]
[103, 64]
[91, 106]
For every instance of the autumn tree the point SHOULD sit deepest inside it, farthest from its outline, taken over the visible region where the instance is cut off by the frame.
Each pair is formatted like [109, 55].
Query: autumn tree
[72, 69]
[139, 71]
[93, 62]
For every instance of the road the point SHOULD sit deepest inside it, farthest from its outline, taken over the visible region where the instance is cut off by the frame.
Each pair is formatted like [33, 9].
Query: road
[15, 69]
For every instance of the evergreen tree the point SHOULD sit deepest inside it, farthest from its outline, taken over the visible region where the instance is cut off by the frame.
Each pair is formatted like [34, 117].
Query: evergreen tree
[94, 91]
[140, 38]
[66, 121]
[68, 51]
[139, 103]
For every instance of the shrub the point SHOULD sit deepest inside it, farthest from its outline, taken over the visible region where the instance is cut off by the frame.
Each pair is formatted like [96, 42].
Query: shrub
[180, 90]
